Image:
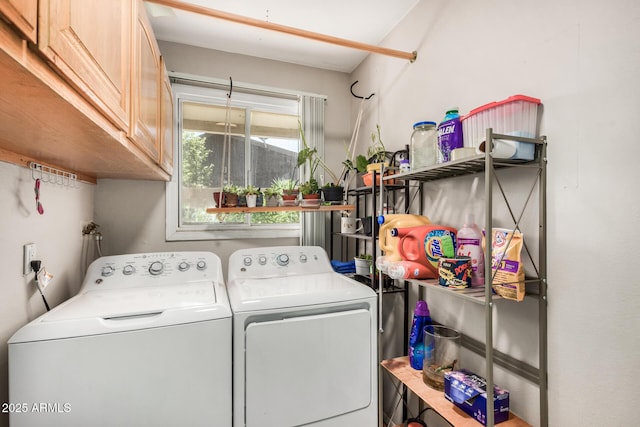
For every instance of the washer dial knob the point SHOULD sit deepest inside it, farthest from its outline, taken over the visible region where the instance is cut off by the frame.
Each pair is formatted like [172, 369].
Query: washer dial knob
[247, 261]
[303, 258]
[156, 268]
[183, 266]
[262, 260]
[107, 270]
[201, 265]
[282, 259]
[128, 270]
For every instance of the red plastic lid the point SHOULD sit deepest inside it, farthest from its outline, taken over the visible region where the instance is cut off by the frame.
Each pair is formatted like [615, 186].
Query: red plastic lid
[504, 101]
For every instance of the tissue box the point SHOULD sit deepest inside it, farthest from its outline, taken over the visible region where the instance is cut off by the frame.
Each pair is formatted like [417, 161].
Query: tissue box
[468, 392]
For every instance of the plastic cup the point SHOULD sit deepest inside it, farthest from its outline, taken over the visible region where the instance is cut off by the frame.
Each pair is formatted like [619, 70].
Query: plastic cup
[441, 354]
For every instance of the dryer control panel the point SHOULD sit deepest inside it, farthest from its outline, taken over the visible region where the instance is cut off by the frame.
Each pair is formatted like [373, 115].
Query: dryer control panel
[152, 269]
[278, 261]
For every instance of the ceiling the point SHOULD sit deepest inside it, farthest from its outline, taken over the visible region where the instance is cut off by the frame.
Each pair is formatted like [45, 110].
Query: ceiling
[363, 21]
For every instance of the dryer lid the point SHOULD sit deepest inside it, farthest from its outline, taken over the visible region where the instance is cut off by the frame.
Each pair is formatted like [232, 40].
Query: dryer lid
[294, 291]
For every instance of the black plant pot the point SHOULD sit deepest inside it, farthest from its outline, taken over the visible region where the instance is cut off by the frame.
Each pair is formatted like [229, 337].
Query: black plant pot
[332, 194]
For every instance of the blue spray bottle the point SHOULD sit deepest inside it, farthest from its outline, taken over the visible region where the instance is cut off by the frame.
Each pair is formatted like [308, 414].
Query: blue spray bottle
[421, 318]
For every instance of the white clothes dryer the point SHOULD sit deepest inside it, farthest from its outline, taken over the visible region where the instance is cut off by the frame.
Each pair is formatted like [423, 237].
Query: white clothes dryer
[146, 342]
[304, 341]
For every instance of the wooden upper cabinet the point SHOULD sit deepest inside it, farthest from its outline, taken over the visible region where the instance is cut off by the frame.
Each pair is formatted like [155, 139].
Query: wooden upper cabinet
[146, 82]
[23, 14]
[166, 155]
[89, 43]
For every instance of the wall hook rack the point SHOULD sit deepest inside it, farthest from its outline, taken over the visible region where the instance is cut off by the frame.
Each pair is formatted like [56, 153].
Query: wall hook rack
[358, 96]
[52, 175]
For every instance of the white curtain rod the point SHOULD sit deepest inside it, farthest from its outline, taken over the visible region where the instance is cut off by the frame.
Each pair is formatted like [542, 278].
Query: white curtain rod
[213, 13]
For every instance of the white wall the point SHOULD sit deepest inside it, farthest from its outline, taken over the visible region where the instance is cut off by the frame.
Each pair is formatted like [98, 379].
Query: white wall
[58, 237]
[582, 58]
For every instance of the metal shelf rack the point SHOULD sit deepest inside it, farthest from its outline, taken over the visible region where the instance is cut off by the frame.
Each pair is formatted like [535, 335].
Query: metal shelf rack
[486, 164]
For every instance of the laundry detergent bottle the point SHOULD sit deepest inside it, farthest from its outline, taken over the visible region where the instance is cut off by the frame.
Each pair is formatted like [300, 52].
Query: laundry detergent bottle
[421, 318]
[426, 244]
[470, 244]
[449, 135]
[388, 243]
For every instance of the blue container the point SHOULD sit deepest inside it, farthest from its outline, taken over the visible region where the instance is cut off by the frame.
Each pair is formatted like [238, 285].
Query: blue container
[421, 318]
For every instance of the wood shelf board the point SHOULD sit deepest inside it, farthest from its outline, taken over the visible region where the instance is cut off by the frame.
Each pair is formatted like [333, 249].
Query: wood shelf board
[331, 208]
[399, 368]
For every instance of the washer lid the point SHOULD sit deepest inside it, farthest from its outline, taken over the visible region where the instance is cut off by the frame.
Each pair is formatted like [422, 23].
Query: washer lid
[107, 304]
[106, 311]
[294, 291]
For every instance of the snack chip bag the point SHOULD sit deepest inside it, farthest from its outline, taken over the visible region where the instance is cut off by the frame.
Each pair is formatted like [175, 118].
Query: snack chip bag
[506, 263]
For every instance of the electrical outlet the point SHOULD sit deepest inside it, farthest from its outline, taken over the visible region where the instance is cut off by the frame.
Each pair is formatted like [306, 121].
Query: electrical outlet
[29, 254]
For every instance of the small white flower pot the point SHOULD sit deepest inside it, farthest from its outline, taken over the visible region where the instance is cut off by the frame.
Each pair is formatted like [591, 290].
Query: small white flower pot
[251, 200]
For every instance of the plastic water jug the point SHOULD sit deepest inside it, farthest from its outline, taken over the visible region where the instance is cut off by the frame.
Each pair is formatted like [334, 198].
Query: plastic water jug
[426, 244]
[388, 243]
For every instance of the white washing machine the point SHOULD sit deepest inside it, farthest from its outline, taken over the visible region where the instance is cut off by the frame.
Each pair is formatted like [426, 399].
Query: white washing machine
[146, 342]
[304, 341]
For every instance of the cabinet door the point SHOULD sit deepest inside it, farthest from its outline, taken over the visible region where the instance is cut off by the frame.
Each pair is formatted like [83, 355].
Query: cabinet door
[145, 108]
[89, 42]
[166, 155]
[23, 14]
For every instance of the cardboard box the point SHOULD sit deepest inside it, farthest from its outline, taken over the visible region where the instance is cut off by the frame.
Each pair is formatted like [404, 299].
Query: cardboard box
[468, 392]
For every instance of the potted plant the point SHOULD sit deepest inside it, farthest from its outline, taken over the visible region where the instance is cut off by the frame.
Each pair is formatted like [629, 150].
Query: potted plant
[373, 161]
[218, 198]
[289, 191]
[332, 193]
[363, 264]
[251, 194]
[310, 189]
[230, 195]
[272, 194]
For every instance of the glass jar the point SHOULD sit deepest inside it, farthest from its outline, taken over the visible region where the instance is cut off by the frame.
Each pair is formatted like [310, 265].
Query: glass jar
[441, 354]
[424, 145]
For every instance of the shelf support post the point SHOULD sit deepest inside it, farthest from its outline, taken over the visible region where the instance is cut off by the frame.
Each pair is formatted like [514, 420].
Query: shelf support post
[488, 197]
[542, 303]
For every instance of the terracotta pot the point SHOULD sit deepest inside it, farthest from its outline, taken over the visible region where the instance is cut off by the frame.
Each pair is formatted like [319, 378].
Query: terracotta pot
[367, 179]
[289, 199]
[218, 198]
[231, 200]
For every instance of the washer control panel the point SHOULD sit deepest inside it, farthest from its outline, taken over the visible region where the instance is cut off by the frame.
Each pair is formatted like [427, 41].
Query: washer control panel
[152, 269]
[278, 261]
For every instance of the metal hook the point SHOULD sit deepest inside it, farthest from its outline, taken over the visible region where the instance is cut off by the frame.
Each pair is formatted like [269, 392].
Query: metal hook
[230, 87]
[359, 97]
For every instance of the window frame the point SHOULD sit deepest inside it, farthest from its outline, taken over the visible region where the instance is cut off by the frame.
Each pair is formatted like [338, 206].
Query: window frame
[190, 89]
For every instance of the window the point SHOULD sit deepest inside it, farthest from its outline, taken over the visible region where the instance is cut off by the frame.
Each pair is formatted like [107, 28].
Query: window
[252, 138]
